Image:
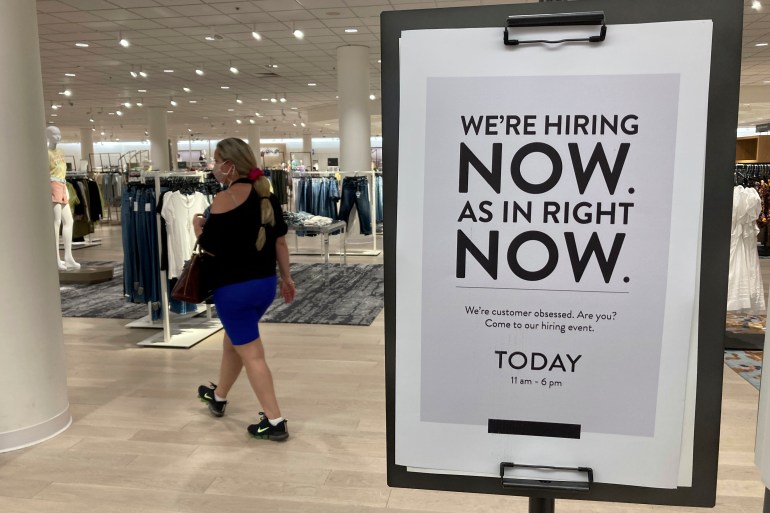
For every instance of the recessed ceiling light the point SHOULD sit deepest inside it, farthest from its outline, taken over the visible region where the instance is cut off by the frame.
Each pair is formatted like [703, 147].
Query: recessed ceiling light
[81, 45]
[372, 97]
[54, 115]
[168, 71]
[351, 30]
[265, 99]
[193, 101]
[756, 5]
[379, 61]
[186, 89]
[54, 106]
[231, 110]
[141, 90]
[761, 44]
[66, 92]
[134, 74]
[294, 108]
[139, 104]
[199, 72]
[312, 84]
[101, 133]
[170, 111]
[256, 35]
[119, 112]
[173, 103]
[70, 75]
[273, 100]
[238, 121]
[233, 70]
[298, 34]
[125, 43]
[251, 121]
[224, 87]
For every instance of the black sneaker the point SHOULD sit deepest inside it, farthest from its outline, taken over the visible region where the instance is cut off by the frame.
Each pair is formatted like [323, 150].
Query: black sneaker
[206, 394]
[268, 431]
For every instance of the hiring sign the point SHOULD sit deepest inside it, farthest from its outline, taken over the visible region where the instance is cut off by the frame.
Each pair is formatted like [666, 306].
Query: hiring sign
[553, 227]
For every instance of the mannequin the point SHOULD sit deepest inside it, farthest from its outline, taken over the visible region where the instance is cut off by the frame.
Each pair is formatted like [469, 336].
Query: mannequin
[62, 214]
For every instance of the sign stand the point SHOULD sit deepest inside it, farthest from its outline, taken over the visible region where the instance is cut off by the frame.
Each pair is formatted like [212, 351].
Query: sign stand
[726, 17]
[540, 505]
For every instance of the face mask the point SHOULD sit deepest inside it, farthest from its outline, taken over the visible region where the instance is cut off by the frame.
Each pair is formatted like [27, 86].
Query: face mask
[220, 175]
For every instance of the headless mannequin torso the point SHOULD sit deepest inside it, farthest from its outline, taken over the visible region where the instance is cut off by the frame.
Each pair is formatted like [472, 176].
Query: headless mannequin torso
[62, 215]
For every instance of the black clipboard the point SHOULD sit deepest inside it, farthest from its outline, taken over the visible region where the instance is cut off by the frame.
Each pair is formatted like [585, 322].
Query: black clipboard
[727, 18]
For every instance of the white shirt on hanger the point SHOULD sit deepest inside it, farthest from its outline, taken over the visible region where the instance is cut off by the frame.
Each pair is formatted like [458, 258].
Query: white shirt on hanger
[178, 211]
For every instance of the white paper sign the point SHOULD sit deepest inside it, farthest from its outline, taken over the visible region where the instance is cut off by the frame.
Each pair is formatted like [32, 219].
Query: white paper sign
[549, 210]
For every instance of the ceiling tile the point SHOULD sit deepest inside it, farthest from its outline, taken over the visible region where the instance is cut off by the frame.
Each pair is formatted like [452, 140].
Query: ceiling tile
[78, 16]
[45, 19]
[52, 6]
[140, 24]
[196, 10]
[116, 14]
[128, 4]
[89, 5]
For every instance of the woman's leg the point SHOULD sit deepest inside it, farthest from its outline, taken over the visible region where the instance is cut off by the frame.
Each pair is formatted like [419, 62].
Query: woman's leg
[229, 369]
[260, 377]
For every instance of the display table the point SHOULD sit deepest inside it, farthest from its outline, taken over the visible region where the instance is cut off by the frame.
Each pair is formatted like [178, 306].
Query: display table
[335, 228]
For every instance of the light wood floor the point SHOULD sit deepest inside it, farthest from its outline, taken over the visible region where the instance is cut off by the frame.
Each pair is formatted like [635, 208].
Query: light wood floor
[142, 442]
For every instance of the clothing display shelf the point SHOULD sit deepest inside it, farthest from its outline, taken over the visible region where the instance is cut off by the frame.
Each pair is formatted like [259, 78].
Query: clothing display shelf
[187, 330]
[752, 149]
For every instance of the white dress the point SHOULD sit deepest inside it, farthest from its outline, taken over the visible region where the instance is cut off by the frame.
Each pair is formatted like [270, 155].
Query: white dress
[744, 289]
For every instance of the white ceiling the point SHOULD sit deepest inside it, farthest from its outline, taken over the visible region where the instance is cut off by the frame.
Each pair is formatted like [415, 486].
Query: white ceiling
[170, 34]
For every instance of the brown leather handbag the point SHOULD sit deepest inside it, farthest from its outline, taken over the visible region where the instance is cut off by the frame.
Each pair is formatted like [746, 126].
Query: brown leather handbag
[190, 286]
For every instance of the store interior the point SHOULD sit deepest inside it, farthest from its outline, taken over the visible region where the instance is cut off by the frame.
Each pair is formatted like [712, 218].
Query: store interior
[140, 438]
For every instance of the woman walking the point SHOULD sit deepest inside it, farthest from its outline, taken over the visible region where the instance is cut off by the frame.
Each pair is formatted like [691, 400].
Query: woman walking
[244, 238]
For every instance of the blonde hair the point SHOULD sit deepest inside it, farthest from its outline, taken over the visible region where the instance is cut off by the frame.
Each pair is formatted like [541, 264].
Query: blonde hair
[240, 154]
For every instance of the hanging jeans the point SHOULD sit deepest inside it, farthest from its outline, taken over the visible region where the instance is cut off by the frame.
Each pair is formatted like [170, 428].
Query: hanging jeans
[378, 198]
[355, 191]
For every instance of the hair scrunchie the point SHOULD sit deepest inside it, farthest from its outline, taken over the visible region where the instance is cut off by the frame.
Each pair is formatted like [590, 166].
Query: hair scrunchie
[255, 173]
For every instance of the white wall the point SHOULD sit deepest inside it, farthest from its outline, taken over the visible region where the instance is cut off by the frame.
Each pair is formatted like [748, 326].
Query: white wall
[323, 147]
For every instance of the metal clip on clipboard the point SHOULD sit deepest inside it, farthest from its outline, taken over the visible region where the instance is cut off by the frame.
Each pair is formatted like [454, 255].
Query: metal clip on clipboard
[537, 483]
[556, 20]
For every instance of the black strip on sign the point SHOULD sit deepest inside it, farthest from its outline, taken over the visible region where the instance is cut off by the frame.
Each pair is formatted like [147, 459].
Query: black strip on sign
[527, 428]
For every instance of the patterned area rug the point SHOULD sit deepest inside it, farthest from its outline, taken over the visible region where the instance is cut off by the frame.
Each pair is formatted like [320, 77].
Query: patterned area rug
[102, 300]
[744, 331]
[748, 365]
[326, 294]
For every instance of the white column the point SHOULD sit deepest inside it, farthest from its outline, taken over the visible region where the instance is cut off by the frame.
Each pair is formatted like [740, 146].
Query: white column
[307, 143]
[156, 126]
[86, 145]
[174, 143]
[33, 379]
[353, 108]
[254, 135]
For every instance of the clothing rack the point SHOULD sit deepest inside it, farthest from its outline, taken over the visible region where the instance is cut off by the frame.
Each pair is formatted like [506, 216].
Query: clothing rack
[371, 175]
[188, 330]
[88, 241]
